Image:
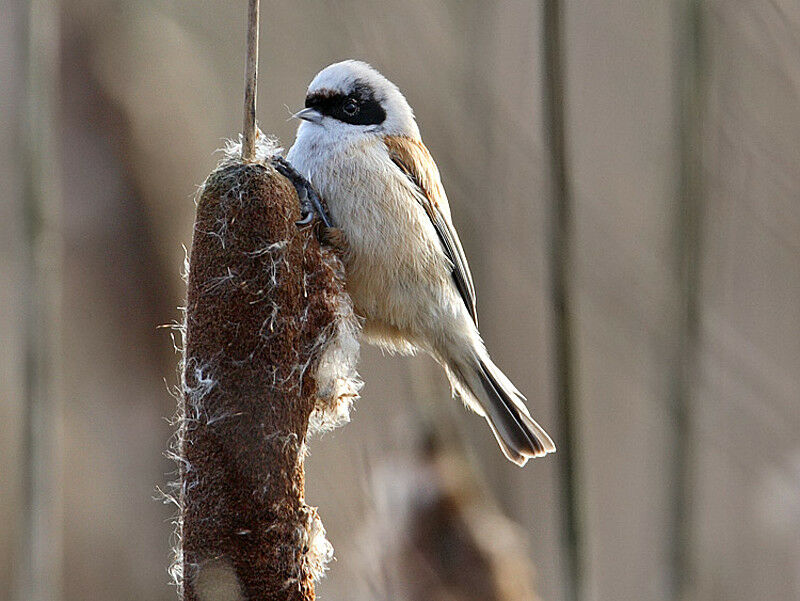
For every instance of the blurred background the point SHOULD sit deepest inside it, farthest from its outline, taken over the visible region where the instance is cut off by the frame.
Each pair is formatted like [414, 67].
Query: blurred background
[681, 180]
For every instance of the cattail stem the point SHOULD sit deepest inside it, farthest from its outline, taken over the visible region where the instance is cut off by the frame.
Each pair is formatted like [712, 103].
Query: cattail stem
[251, 81]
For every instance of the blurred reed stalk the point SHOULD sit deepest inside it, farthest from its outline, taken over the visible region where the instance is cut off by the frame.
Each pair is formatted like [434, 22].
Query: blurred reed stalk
[572, 526]
[689, 98]
[40, 545]
[40, 573]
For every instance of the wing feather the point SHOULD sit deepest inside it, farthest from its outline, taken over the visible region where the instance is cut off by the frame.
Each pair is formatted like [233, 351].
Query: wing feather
[416, 163]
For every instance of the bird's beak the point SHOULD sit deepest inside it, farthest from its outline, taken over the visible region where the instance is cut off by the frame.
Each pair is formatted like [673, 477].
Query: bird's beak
[311, 115]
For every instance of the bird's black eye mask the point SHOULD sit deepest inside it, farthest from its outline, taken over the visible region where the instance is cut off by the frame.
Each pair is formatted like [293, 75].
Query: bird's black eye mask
[357, 108]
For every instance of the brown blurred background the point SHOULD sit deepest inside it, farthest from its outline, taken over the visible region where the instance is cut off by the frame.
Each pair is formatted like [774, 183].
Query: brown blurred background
[147, 90]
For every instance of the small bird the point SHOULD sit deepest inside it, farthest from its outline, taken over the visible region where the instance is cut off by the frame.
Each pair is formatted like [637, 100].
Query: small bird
[360, 148]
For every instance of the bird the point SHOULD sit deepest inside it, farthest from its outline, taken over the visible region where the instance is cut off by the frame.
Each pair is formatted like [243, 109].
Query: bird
[359, 147]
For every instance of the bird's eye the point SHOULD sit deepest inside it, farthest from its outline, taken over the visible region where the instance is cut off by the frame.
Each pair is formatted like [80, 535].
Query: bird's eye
[350, 107]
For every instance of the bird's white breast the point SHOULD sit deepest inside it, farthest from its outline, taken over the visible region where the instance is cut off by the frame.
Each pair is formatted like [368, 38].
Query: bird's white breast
[397, 273]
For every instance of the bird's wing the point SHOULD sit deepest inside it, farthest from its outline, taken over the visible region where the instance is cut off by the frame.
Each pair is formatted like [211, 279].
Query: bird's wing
[416, 163]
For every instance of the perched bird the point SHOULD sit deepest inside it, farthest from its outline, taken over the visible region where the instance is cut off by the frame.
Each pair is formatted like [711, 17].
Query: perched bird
[359, 146]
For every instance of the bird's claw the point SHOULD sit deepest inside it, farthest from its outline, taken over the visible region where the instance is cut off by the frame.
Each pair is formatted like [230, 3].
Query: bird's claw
[307, 218]
[310, 202]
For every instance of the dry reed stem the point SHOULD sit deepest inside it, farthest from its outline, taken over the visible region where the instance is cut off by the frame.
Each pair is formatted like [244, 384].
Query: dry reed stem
[250, 85]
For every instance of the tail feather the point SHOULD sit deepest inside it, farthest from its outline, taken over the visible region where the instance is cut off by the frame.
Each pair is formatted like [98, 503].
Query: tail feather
[518, 435]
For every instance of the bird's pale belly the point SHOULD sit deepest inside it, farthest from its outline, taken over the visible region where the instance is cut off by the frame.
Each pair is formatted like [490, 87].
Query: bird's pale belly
[393, 290]
[383, 294]
[396, 272]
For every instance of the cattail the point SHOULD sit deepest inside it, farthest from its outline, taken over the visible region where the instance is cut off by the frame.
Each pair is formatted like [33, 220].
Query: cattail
[269, 354]
[270, 348]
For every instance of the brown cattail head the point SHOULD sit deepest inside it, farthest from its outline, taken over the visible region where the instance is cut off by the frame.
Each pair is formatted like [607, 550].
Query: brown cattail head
[270, 346]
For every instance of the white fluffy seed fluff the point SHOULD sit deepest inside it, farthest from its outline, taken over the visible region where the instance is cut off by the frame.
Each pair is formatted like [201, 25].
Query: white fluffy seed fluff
[337, 380]
[216, 580]
[320, 550]
[266, 148]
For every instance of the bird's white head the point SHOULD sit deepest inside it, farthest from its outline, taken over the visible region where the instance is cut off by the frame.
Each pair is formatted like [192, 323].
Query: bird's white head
[352, 98]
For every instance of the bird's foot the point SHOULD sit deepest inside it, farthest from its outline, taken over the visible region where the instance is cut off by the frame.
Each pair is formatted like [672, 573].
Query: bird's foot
[310, 202]
[335, 238]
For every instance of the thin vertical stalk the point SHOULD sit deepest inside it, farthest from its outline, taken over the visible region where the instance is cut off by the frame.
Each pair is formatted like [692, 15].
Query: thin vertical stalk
[250, 86]
[560, 264]
[40, 576]
[687, 241]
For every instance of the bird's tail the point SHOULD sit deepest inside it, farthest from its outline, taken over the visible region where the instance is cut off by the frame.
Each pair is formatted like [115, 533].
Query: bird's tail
[518, 435]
